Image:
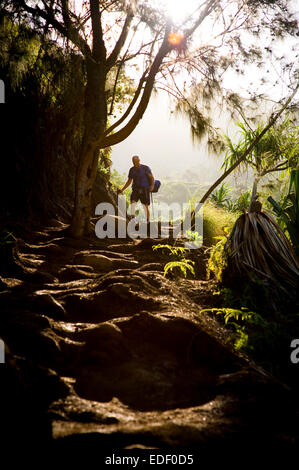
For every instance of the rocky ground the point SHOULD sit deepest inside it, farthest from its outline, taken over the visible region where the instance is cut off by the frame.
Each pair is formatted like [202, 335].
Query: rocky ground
[101, 348]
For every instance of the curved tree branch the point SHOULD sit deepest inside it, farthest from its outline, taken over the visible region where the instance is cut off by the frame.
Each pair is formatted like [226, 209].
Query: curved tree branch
[202, 16]
[131, 125]
[165, 48]
[111, 60]
[272, 121]
[130, 107]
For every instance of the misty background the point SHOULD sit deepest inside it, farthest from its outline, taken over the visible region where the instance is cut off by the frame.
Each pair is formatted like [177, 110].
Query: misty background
[163, 142]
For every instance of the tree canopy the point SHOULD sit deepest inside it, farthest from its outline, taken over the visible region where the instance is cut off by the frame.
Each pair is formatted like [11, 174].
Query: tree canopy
[128, 48]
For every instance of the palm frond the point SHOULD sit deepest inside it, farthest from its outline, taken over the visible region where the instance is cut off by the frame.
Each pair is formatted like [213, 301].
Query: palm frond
[258, 246]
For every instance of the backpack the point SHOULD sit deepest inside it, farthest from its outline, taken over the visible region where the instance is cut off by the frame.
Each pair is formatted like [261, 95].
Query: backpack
[157, 185]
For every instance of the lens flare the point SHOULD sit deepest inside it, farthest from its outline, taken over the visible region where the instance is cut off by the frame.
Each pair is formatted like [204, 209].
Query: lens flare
[175, 39]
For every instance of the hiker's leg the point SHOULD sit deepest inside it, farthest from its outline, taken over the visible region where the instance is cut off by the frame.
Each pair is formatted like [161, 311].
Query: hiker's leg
[146, 211]
[135, 196]
[145, 201]
[133, 208]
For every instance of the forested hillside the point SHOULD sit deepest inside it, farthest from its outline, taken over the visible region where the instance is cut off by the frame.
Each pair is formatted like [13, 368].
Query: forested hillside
[127, 331]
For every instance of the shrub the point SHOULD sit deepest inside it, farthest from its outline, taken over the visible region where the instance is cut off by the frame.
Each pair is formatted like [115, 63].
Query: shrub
[215, 219]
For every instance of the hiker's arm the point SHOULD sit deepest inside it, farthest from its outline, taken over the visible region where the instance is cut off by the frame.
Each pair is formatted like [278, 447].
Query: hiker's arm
[151, 181]
[125, 186]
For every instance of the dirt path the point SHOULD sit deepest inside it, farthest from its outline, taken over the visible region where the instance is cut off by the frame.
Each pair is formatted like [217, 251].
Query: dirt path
[102, 348]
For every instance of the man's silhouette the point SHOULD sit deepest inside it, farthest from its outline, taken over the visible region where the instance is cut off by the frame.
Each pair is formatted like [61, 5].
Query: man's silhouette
[143, 184]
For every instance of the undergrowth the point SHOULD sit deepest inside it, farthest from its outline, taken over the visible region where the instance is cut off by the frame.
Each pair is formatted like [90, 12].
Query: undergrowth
[180, 265]
[260, 328]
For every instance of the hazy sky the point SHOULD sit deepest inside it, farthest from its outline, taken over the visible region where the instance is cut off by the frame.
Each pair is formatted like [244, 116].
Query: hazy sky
[164, 142]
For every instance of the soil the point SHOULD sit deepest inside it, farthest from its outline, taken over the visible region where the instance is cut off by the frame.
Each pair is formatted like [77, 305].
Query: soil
[102, 349]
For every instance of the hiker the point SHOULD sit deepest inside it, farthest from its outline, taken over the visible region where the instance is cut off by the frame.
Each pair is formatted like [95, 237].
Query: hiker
[143, 184]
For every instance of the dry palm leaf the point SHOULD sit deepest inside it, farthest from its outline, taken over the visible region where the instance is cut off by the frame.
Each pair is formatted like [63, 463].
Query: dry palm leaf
[258, 245]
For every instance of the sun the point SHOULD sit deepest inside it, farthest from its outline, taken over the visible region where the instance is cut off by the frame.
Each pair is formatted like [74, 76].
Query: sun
[179, 10]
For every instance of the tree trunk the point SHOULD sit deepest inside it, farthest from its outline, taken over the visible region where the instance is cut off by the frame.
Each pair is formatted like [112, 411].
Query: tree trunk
[254, 192]
[102, 190]
[84, 182]
[95, 121]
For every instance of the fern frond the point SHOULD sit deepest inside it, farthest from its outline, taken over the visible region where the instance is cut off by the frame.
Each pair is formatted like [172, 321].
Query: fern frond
[183, 266]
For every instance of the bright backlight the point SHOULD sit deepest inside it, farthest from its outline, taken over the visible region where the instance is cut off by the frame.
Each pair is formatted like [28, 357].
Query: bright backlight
[177, 10]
